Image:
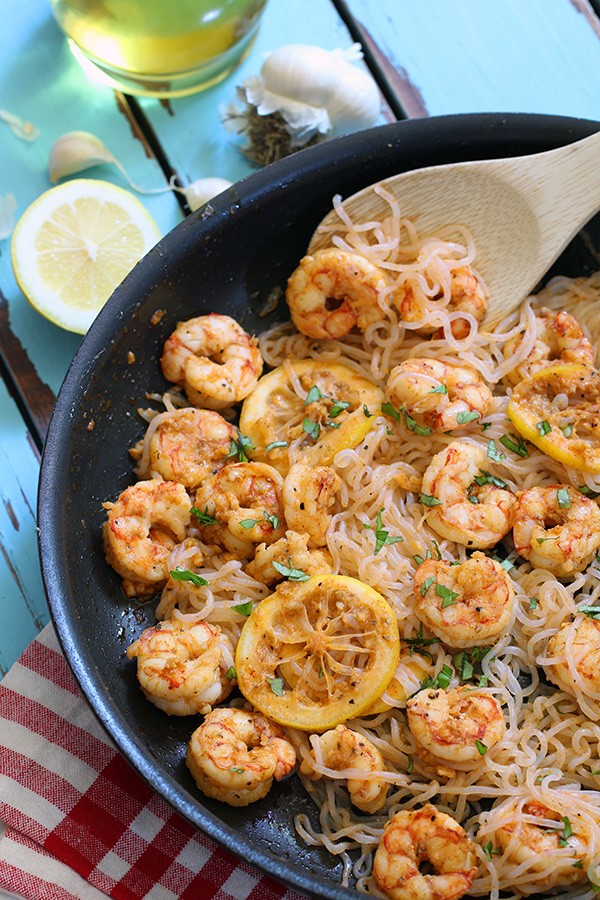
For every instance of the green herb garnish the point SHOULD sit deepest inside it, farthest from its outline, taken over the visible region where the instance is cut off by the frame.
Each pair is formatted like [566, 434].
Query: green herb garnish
[185, 575]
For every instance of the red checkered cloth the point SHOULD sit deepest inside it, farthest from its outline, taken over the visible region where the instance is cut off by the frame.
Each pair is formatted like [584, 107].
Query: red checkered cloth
[76, 823]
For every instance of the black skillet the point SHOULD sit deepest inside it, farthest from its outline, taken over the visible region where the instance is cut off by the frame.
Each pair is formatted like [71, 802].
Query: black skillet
[228, 258]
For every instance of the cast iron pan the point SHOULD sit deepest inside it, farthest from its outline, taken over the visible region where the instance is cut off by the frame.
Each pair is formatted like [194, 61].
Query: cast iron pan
[226, 258]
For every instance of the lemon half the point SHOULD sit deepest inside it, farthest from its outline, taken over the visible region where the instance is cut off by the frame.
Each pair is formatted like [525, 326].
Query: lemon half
[74, 245]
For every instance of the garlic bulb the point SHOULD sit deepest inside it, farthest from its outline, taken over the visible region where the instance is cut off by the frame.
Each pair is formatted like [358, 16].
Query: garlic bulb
[311, 91]
[324, 79]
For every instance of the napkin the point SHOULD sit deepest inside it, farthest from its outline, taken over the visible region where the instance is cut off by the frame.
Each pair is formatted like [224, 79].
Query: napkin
[76, 822]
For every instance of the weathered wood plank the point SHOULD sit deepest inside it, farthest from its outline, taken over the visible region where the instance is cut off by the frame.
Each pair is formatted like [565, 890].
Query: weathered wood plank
[22, 599]
[190, 128]
[540, 56]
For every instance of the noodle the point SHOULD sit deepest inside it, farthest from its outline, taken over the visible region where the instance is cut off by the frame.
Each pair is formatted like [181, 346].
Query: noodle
[550, 750]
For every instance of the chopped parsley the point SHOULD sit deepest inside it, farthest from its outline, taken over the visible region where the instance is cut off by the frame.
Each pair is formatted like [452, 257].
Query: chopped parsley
[418, 643]
[533, 602]
[515, 443]
[441, 680]
[481, 747]
[238, 448]
[427, 584]
[313, 395]
[382, 535]
[388, 409]
[185, 575]
[468, 664]
[544, 539]
[567, 430]
[272, 520]
[439, 389]
[312, 429]
[494, 453]
[567, 832]
[290, 572]
[274, 444]
[244, 609]
[413, 425]
[410, 765]
[592, 612]
[230, 674]
[486, 478]
[338, 407]
[428, 500]
[562, 496]
[203, 516]
[490, 850]
[464, 417]
[587, 491]
[366, 411]
[276, 685]
[236, 769]
[544, 427]
[448, 596]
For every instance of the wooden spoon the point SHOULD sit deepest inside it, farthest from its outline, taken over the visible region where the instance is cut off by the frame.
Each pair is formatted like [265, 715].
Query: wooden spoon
[521, 211]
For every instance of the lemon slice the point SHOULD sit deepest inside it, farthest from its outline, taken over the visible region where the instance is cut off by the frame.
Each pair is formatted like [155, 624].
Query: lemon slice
[341, 638]
[568, 432]
[74, 245]
[343, 412]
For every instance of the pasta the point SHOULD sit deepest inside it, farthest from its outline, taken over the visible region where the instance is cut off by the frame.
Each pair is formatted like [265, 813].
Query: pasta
[402, 503]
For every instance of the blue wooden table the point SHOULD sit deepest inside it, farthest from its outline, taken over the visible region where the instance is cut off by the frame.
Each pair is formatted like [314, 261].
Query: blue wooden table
[429, 58]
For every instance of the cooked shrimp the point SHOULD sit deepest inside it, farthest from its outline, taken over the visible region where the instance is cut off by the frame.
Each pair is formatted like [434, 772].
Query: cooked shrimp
[416, 836]
[464, 605]
[213, 359]
[181, 666]
[575, 667]
[290, 550]
[465, 295]
[437, 395]
[558, 338]
[463, 501]
[342, 748]
[557, 528]
[532, 833]
[235, 755]
[184, 445]
[144, 524]
[454, 727]
[333, 292]
[245, 500]
[308, 496]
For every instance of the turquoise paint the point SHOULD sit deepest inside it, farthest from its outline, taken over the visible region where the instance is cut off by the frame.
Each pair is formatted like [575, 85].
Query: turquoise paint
[23, 604]
[538, 56]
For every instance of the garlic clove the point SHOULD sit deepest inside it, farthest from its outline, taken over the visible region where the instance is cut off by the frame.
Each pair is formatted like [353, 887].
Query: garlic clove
[76, 151]
[201, 191]
[356, 101]
[301, 72]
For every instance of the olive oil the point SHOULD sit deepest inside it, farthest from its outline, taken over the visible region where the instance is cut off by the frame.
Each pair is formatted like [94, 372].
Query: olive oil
[159, 47]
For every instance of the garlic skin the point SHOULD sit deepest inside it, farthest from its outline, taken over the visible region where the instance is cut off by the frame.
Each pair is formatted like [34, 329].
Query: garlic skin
[204, 189]
[315, 92]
